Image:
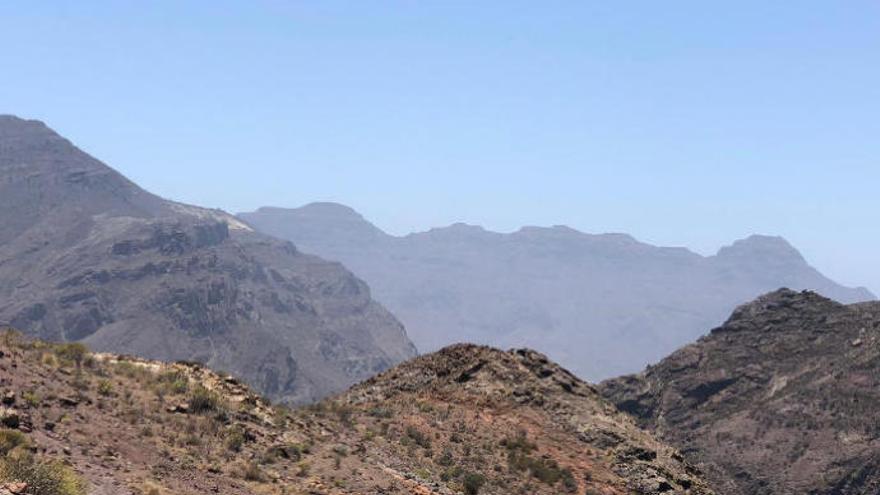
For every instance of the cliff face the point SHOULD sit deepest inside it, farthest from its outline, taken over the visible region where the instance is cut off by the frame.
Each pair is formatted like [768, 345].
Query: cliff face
[602, 305]
[89, 256]
[781, 399]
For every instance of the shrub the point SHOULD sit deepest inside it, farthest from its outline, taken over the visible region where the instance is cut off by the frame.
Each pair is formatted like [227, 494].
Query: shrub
[72, 352]
[249, 471]
[31, 398]
[417, 436]
[42, 478]
[105, 388]
[446, 458]
[472, 482]
[568, 482]
[202, 400]
[235, 440]
[10, 439]
[380, 412]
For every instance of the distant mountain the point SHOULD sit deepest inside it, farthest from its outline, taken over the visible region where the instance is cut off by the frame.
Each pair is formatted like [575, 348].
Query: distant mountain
[87, 255]
[602, 305]
[782, 399]
[466, 420]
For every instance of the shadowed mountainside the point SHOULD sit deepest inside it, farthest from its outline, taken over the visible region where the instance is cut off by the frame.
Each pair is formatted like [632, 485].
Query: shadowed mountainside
[86, 255]
[602, 305]
[782, 399]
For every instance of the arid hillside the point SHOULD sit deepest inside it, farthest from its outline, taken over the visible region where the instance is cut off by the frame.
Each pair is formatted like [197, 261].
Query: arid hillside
[467, 419]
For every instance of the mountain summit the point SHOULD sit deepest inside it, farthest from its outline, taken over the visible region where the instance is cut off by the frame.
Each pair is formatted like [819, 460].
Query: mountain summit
[602, 305]
[89, 256]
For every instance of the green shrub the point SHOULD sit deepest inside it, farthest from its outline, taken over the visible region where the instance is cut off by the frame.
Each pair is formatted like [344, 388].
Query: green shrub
[105, 388]
[235, 440]
[10, 439]
[419, 437]
[72, 352]
[202, 400]
[472, 482]
[42, 477]
[31, 398]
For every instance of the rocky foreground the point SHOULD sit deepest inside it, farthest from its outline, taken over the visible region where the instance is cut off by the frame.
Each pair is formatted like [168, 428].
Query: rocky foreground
[467, 420]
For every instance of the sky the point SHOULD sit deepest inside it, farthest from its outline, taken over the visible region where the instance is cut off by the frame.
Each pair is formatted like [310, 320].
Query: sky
[684, 123]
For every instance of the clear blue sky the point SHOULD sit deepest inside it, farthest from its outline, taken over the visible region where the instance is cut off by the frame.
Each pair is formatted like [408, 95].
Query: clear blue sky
[684, 122]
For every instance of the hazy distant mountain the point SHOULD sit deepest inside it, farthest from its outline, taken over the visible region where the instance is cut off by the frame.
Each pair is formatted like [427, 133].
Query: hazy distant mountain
[87, 255]
[602, 305]
[782, 399]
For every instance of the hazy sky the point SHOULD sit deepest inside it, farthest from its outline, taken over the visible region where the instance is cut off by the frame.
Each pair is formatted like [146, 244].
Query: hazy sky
[683, 122]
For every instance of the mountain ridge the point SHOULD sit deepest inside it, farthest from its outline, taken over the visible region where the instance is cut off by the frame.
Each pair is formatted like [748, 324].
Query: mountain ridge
[602, 304]
[750, 244]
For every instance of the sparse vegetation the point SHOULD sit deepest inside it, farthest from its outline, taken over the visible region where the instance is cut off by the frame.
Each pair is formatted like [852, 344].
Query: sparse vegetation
[43, 477]
[10, 440]
[472, 483]
[203, 401]
[72, 352]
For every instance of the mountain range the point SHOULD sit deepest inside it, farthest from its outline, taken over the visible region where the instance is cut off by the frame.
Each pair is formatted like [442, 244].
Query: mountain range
[602, 305]
[88, 256]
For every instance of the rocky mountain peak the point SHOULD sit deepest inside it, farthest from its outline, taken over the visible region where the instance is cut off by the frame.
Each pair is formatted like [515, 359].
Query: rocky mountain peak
[780, 304]
[762, 247]
[780, 399]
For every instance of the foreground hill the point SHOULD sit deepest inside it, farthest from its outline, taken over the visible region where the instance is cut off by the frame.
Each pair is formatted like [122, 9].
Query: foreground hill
[86, 255]
[602, 305]
[467, 420]
[782, 399]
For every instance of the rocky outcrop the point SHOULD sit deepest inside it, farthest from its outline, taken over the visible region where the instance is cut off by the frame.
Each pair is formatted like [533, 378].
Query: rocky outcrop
[781, 399]
[541, 415]
[86, 255]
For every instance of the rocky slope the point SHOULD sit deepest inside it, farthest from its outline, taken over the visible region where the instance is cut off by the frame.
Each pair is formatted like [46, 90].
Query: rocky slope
[602, 305]
[86, 255]
[782, 399]
[467, 420]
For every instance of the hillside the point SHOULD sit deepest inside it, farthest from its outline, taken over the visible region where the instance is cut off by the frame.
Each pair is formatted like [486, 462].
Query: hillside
[467, 419]
[781, 399]
[602, 305]
[86, 255]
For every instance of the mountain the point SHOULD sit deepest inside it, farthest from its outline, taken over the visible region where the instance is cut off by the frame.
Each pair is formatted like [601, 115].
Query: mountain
[602, 305]
[467, 419]
[86, 255]
[781, 399]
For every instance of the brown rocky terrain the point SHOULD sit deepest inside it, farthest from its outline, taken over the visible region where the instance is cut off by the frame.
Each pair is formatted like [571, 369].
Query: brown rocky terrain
[467, 420]
[86, 255]
[782, 399]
